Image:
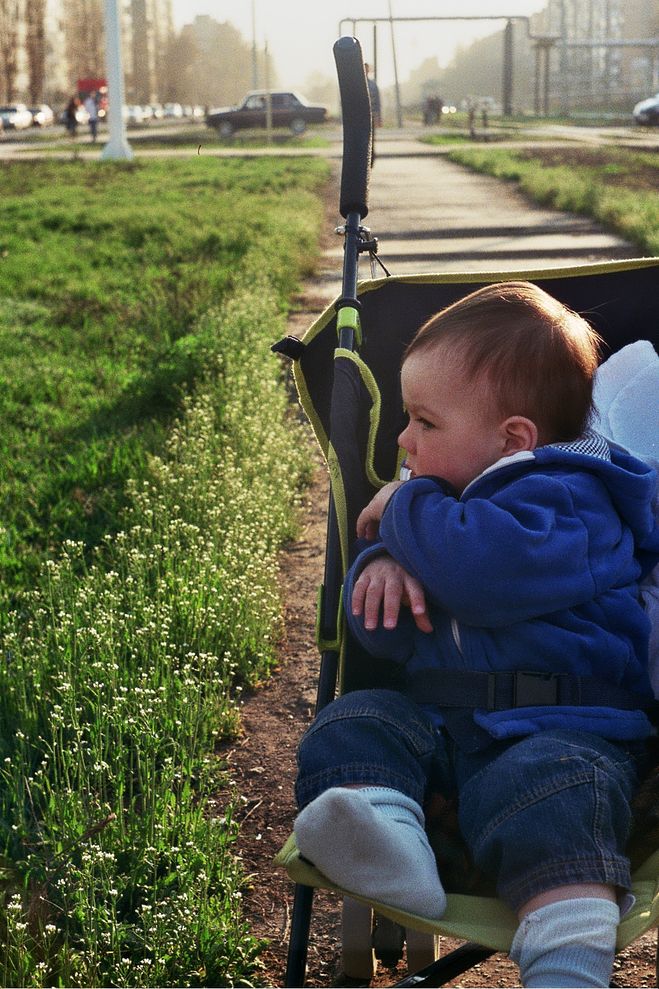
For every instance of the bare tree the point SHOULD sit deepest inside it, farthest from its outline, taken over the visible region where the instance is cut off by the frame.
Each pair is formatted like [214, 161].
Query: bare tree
[9, 20]
[211, 63]
[85, 37]
[35, 22]
[179, 69]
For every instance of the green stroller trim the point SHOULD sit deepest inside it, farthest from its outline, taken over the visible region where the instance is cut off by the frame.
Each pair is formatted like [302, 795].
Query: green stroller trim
[484, 919]
[482, 277]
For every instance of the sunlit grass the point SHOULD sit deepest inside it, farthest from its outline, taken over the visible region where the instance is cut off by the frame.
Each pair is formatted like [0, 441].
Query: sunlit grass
[106, 273]
[122, 665]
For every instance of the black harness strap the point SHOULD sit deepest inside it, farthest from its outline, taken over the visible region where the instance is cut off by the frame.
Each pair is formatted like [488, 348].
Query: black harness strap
[503, 691]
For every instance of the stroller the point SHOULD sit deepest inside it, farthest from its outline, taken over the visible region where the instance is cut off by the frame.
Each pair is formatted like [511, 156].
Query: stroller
[351, 395]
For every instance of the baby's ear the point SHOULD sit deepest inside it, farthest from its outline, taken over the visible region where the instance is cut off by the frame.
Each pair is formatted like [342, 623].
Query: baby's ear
[519, 433]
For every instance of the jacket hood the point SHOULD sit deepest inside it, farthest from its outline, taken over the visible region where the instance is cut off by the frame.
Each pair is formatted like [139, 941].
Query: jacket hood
[625, 388]
[630, 483]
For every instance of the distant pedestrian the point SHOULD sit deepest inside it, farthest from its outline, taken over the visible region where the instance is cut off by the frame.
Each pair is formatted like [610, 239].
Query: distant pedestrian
[71, 116]
[91, 106]
[376, 114]
[471, 120]
[374, 94]
[432, 110]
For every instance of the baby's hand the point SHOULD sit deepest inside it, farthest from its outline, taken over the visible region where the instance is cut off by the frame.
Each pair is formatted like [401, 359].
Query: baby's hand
[383, 583]
[369, 517]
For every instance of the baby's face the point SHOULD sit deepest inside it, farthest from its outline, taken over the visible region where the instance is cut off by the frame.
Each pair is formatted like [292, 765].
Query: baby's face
[454, 429]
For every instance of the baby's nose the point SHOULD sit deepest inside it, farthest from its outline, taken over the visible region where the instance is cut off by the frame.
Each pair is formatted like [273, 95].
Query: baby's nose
[404, 439]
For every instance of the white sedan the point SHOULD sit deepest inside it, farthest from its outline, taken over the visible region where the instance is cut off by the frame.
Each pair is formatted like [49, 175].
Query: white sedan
[15, 116]
[42, 115]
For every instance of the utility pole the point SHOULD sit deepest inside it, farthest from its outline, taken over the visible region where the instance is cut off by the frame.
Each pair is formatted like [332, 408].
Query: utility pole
[117, 146]
[563, 61]
[255, 70]
[399, 112]
[268, 96]
[508, 69]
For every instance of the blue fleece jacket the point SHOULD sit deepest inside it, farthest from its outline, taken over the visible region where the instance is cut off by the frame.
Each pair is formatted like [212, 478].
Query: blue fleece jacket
[535, 567]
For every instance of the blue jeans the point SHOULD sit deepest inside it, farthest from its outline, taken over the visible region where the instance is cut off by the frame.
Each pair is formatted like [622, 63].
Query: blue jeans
[543, 811]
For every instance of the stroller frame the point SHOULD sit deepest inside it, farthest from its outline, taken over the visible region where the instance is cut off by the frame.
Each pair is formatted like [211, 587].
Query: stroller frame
[359, 443]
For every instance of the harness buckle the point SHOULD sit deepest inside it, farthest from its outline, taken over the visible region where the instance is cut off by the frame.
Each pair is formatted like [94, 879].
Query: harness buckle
[535, 689]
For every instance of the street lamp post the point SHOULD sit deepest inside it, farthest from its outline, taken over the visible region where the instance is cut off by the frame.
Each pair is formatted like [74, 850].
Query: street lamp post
[255, 71]
[117, 146]
[399, 112]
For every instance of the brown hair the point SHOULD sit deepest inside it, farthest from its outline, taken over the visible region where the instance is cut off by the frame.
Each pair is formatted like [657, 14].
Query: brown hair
[538, 356]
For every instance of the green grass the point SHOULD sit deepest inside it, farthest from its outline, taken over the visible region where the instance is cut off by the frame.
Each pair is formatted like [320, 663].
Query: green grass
[448, 137]
[124, 660]
[106, 271]
[615, 186]
[194, 139]
[208, 138]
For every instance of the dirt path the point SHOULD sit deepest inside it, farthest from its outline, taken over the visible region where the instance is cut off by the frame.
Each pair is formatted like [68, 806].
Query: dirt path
[262, 761]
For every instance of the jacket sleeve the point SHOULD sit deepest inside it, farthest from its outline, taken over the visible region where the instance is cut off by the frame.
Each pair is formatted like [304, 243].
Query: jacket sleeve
[396, 643]
[519, 554]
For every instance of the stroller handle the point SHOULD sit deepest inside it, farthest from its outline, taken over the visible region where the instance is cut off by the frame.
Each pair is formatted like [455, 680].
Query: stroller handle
[357, 126]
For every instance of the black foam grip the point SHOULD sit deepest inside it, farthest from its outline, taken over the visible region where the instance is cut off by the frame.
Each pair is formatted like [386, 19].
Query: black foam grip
[357, 126]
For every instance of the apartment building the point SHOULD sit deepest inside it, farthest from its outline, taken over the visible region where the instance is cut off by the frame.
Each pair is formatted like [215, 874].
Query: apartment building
[47, 45]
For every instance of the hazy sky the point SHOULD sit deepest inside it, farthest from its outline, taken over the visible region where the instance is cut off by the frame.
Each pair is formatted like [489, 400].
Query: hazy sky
[300, 33]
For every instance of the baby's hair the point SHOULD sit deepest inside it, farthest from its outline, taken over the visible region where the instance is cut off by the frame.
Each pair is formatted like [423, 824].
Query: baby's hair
[538, 356]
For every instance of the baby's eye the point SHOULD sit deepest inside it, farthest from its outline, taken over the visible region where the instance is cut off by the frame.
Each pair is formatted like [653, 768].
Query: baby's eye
[424, 423]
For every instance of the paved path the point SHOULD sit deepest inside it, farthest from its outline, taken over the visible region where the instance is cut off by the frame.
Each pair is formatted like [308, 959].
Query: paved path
[430, 214]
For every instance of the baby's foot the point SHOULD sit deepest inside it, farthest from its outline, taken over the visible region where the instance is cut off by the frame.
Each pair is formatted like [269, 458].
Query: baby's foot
[371, 841]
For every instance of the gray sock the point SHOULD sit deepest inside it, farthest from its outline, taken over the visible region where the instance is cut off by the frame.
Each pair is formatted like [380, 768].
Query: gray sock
[569, 943]
[371, 841]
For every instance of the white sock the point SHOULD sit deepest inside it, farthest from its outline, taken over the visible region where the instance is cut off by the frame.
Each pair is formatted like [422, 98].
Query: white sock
[570, 943]
[371, 841]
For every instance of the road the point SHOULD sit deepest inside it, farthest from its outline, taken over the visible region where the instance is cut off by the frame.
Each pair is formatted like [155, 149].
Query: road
[35, 139]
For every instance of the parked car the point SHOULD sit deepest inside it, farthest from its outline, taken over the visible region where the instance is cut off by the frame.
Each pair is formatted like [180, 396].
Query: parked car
[15, 116]
[133, 114]
[173, 110]
[288, 110]
[647, 111]
[42, 115]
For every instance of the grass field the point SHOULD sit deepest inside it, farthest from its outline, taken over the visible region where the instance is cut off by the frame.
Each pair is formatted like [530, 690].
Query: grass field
[150, 476]
[105, 275]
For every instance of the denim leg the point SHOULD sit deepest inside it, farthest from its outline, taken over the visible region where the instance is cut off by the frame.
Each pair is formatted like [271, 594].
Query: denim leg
[376, 737]
[550, 810]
